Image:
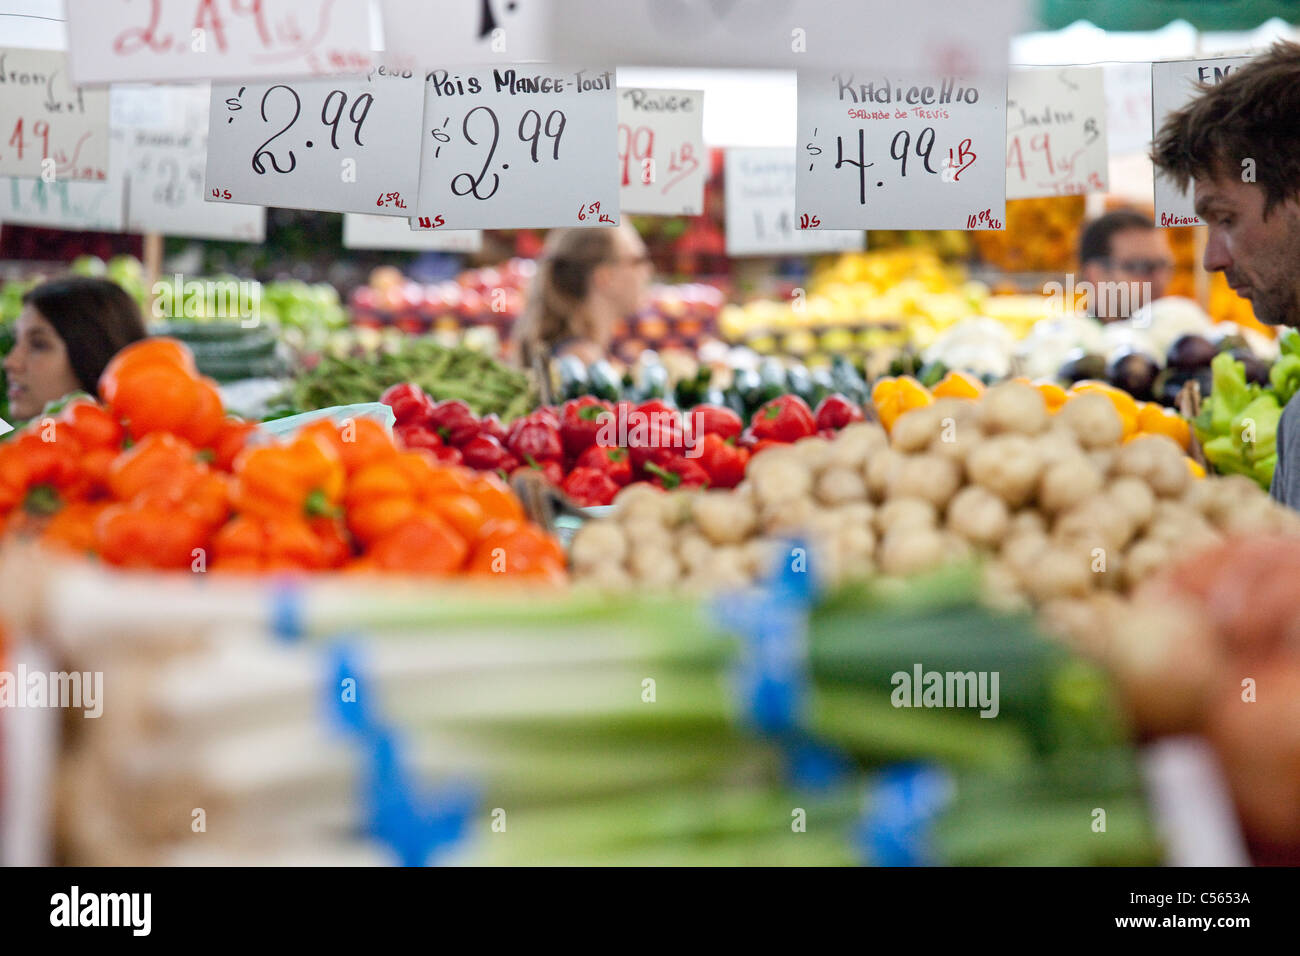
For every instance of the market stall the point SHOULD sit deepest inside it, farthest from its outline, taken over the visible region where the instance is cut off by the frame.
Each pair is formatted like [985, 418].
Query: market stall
[830, 527]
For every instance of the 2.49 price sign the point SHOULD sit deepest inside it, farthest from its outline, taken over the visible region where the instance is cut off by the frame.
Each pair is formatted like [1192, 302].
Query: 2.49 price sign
[117, 40]
[885, 153]
[518, 148]
[334, 145]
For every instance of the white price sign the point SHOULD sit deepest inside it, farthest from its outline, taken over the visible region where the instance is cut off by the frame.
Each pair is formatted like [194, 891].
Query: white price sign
[662, 161]
[422, 34]
[518, 148]
[877, 152]
[1128, 107]
[117, 40]
[334, 145]
[93, 207]
[167, 190]
[761, 210]
[1173, 85]
[1056, 132]
[361, 231]
[48, 127]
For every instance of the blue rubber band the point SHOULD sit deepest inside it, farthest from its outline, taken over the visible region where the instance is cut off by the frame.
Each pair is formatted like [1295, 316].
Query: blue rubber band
[417, 823]
[902, 806]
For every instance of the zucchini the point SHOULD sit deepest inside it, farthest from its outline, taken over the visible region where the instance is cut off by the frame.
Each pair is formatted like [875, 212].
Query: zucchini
[604, 381]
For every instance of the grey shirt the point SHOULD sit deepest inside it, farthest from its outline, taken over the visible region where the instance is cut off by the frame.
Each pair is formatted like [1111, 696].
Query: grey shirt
[1286, 476]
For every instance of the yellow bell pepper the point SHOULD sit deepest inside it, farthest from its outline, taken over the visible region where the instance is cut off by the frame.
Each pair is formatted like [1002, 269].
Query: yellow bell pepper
[894, 396]
[959, 385]
[1154, 419]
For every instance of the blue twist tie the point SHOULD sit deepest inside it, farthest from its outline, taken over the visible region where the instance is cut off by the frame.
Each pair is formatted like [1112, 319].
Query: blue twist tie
[772, 673]
[898, 820]
[414, 821]
[286, 611]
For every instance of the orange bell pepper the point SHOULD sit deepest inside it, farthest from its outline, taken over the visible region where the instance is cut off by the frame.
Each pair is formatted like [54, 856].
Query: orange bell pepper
[1154, 419]
[383, 494]
[73, 528]
[253, 543]
[149, 535]
[92, 425]
[959, 385]
[422, 544]
[1052, 394]
[160, 464]
[229, 441]
[496, 499]
[302, 479]
[153, 386]
[151, 351]
[358, 442]
[518, 548]
[38, 475]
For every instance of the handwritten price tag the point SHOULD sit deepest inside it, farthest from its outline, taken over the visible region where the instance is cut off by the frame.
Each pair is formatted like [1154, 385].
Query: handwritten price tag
[116, 40]
[48, 127]
[878, 152]
[384, 232]
[1173, 84]
[1056, 132]
[761, 220]
[518, 147]
[422, 35]
[661, 156]
[334, 145]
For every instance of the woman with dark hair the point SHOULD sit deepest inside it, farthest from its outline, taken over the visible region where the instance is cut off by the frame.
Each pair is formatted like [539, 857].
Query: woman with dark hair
[64, 337]
[586, 280]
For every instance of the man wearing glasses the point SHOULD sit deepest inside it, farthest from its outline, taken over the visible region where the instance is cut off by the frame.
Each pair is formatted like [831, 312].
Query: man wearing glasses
[1126, 261]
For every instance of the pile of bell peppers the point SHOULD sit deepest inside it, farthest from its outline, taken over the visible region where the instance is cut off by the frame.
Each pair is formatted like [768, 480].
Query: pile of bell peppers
[155, 475]
[590, 448]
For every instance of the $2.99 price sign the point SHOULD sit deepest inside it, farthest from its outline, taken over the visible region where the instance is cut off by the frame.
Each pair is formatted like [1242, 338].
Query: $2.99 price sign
[879, 152]
[334, 145]
[517, 148]
[662, 161]
[117, 40]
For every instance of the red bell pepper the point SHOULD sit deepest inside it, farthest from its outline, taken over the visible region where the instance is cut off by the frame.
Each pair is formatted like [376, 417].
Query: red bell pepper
[654, 434]
[678, 472]
[491, 425]
[484, 453]
[454, 421]
[409, 403]
[417, 435]
[836, 411]
[589, 486]
[614, 462]
[723, 460]
[784, 419]
[716, 420]
[581, 421]
[536, 438]
[552, 471]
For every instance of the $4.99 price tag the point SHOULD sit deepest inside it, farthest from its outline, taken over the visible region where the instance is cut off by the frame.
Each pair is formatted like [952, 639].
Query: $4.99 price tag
[517, 148]
[662, 161]
[335, 145]
[48, 127]
[1056, 132]
[116, 40]
[914, 153]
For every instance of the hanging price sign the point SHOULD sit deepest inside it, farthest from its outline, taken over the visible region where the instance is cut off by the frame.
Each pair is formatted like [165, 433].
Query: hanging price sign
[1173, 85]
[518, 148]
[662, 162]
[1056, 132]
[384, 232]
[761, 220]
[116, 40]
[883, 153]
[334, 145]
[48, 127]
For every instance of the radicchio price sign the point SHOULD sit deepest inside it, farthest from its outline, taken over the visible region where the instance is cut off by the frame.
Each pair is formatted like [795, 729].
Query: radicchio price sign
[518, 147]
[122, 40]
[879, 152]
[339, 145]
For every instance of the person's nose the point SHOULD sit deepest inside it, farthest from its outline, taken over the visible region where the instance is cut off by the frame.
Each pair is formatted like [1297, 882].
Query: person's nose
[1216, 258]
[13, 361]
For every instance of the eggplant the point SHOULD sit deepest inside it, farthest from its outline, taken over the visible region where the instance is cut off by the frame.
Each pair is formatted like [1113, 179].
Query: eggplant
[604, 382]
[1191, 352]
[574, 380]
[1134, 372]
[1256, 369]
[1080, 365]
